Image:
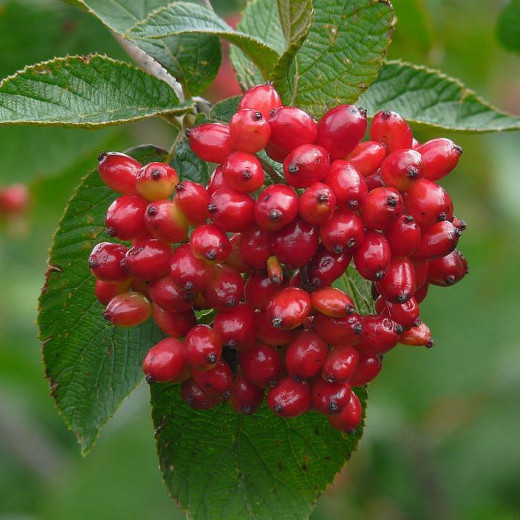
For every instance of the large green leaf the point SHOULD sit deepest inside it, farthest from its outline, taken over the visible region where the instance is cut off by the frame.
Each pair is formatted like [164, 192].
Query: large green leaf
[426, 96]
[340, 56]
[220, 465]
[189, 166]
[86, 92]
[188, 18]
[508, 27]
[295, 18]
[91, 365]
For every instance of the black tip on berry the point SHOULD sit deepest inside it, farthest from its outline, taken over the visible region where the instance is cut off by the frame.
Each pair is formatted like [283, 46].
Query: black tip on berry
[150, 379]
[246, 174]
[353, 204]
[430, 343]
[322, 198]
[277, 408]
[333, 407]
[111, 231]
[350, 309]
[391, 201]
[211, 358]
[188, 286]
[409, 218]
[273, 112]
[122, 263]
[362, 111]
[212, 208]
[211, 254]
[379, 275]
[338, 249]
[417, 322]
[412, 172]
[457, 149]
[92, 264]
[268, 83]
[275, 279]
[151, 210]
[399, 328]
[358, 329]
[102, 156]
[457, 232]
[292, 168]
[106, 315]
[402, 298]
[277, 322]
[246, 410]
[386, 114]
[275, 215]
[442, 217]
[180, 187]
[258, 116]
[450, 280]
[188, 132]
[231, 302]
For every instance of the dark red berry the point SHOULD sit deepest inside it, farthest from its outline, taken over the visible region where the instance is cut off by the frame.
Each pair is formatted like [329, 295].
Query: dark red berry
[305, 355]
[289, 398]
[215, 382]
[437, 241]
[340, 364]
[276, 207]
[165, 362]
[125, 218]
[296, 243]
[249, 131]
[367, 157]
[343, 231]
[306, 165]
[231, 210]
[260, 289]
[350, 417]
[211, 142]
[148, 259]
[326, 267]
[401, 168]
[176, 324]
[381, 207]
[202, 347]
[165, 221]
[261, 364]
[374, 181]
[208, 242]
[347, 184]
[372, 257]
[268, 333]
[420, 268]
[168, 295]
[367, 369]
[235, 259]
[105, 291]
[405, 314]
[447, 270]
[243, 172]
[261, 98]
[289, 308]
[316, 204]
[236, 327]
[225, 288]
[421, 293]
[195, 397]
[428, 203]
[332, 302]
[403, 235]
[119, 172]
[246, 397]
[156, 181]
[128, 309]
[392, 130]
[255, 247]
[216, 181]
[106, 262]
[398, 285]
[440, 156]
[338, 331]
[329, 398]
[187, 271]
[193, 200]
[380, 334]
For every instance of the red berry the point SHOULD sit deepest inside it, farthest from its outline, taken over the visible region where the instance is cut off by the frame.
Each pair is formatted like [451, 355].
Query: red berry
[440, 156]
[156, 181]
[332, 302]
[165, 362]
[306, 165]
[195, 397]
[225, 288]
[165, 221]
[338, 331]
[261, 98]
[325, 267]
[208, 242]
[216, 181]
[418, 336]
[105, 291]
[405, 314]
[316, 204]
[289, 398]
[341, 129]
[343, 231]
[428, 203]
[187, 271]
[374, 180]
[391, 129]
[193, 200]
[329, 398]
[246, 397]
[243, 172]
[128, 309]
[119, 172]
[148, 259]
[176, 324]
[236, 327]
[350, 418]
[437, 241]
[235, 259]
[290, 127]
[372, 257]
[271, 335]
[211, 142]
[367, 157]
[381, 207]
[215, 382]
[289, 308]
[398, 285]
[125, 218]
[106, 262]
[305, 355]
[401, 168]
[202, 348]
[448, 270]
[380, 334]
[276, 207]
[169, 296]
[420, 268]
[340, 364]
[249, 131]
[14, 199]
[347, 184]
[255, 247]
[260, 289]
[459, 224]
[261, 364]
[232, 211]
[421, 293]
[296, 243]
[368, 367]
[403, 235]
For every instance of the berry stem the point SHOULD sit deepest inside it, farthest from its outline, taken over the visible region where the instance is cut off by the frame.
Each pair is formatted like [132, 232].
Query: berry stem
[174, 145]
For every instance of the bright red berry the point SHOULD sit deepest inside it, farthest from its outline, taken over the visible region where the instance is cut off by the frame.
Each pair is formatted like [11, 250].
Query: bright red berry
[440, 156]
[125, 218]
[374, 180]
[419, 336]
[211, 142]
[367, 369]
[156, 181]
[305, 355]
[373, 255]
[367, 157]
[276, 207]
[187, 271]
[232, 210]
[165, 221]
[338, 331]
[236, 327]
[106, 262]
[448, 270]
[260, 289]
[105, 291]
[428, 203]
[268, 333]
[380, 334]
[148, 259]
[261, 364]
[215, 382]
[332, 302]
[350, 417]
[249, 131]
[128, 309]
[405, 314]
[246, 397]
[176, 324]
[225, 288]
[165, 362]
[289, 398]
[255, 247]
[325, 267]
[317, 203]
[401, 168]
[403, 235]
[347, 184]
[14, 199]
[193, 200]
[391, 129]
[119, 172]
[169, 296]
[216, 181]
[208, 242]
[202, 347]
[289, 308]
[193, 395]
[261, 98]
[243, 172]
[340, 364]
[329, 398]
[398, 285]
[343, 231]
[296, 243]
[381, 207]
[306, 165]
[437, 241]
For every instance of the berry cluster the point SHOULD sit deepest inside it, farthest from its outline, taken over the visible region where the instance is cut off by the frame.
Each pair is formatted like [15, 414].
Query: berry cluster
[264, 256]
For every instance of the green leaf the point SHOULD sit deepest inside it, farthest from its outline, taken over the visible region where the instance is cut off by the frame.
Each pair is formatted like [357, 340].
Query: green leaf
[223, 110]
[296, 18]
[340, 56]
[359, 289]
[85, 92]
[91, 365]
[189, 166]
[221, 465]
[188, 18]
[508, 26]
[428, 97]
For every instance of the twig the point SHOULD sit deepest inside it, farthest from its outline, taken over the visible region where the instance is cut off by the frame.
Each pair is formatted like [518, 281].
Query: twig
[177, 140]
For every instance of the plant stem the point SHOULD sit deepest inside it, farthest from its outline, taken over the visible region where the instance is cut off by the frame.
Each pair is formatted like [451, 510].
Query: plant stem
[176, 141]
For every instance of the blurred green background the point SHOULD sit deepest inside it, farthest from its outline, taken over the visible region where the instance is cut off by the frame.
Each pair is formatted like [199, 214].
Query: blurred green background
[441, 439]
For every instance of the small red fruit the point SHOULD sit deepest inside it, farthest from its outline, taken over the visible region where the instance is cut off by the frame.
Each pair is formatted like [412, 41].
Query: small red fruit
[246, 397]
[208, 242]
[231, 210]
[165, 362]
[316, 204]
[106, 262]
[329, 398]
[261, 98]
[306, 165]
[289, 308]
[125, 218]
[243, 172]
[276, 207]
[119, 172]
[347, 184]
[289, 398]
[401, 168]
[148, 259]
[128, 309]
[373, 255]
[249, 131]
[332, 302]
[392, 130]
[440, 156]
[350, 418]
[367, 157]
[156, 181]
[398, 285]
[305, 355]
[381, 207]
[193, 200]
[261, 364]
[211, 142]
[340, 364]
[202, 348]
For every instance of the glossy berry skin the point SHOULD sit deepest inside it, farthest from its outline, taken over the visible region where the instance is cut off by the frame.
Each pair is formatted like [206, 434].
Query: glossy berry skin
[428, 203]
[403, 235]
[437, 241]
[216, 382]
[260, 289]
[401, 168]
[440, 156]
[125, 218]
[306, 165]
[232, 210]
[447, 270]
[261, 98]
[106, 262]
[329, 398]
[350, 417]
[325, 267]
[276, 207]
[317, 203]
[176, 324]
[347, 184]
[128, 309]
[193, 200]
[367, 157]
[249, 131]
[343, 231]
[187, 271]
[405, 314]
[373, 255]
[341, 129]
[202, 347]
[193, 395]
[289, 308]
[169, 296]
[367, 369]
[380, 335]
[419, 336]
[209, 243]
[211, 142]
[289, 398]
[148, 259]
[119, 172]
[338, 331]
[374, 181]
[235, 259]
[246, 397]
[290, 127]
[156, 181]
[261, 364]
[296, 243]
[271, 335]
[105, 291]
[305, 355]
[225, 288]
[340, 364]
[332, 302]
[165, 221]
[398, 285]
[165, 362]
[459, 224]
[381, 207]
[420, 268]
[255, 247]
[421, 293]
[216, 180]
[243, 172]
[236, 327]
[392, 130]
